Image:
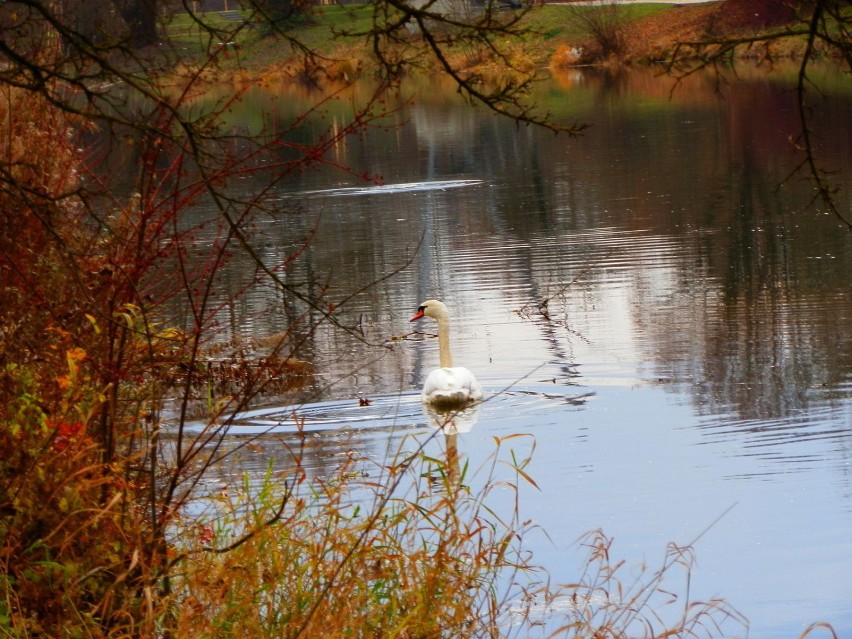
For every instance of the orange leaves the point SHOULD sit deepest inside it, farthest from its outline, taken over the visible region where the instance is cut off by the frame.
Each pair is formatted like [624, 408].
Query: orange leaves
[73, 356]
[66, 433]
[206, 534]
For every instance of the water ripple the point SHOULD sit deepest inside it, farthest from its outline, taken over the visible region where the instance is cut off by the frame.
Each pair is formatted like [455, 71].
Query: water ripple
[386, 189]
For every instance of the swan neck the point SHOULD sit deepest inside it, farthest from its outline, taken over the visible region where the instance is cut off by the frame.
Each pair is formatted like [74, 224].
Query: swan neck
[445, 357]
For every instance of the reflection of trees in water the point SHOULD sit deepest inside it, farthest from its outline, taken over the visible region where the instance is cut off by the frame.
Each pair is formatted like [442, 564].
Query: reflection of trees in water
[775, 339]
[776, 335]
[752, 315]
[679, 193]
[768, 317]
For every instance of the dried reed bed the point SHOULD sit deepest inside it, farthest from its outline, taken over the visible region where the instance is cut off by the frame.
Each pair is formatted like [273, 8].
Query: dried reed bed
[412, 549]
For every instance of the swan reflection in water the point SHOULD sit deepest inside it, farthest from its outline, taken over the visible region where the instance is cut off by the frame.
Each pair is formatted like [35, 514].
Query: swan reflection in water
[451, 423]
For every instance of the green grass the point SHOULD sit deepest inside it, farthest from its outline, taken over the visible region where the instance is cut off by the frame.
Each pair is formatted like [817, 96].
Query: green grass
[184, 26]
[557, 21]
[349, 17]
[324, 31]
[260, 46]
[321, 31]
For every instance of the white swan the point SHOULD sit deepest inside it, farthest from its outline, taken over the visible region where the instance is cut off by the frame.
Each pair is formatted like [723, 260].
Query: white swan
[447, 387]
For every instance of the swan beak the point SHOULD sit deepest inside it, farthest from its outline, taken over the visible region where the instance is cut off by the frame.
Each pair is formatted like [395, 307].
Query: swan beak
[418, 315]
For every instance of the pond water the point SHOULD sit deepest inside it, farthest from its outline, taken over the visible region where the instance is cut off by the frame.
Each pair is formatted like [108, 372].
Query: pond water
[693, 358]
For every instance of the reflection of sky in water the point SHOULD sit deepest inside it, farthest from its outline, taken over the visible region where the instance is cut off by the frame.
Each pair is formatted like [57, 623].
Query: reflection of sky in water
[696, 359]
[628, 457]
[627, 463]
[626, 444]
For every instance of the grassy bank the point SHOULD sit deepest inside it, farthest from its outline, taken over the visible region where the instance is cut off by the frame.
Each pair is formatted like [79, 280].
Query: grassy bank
[628, 34]
[333, 31]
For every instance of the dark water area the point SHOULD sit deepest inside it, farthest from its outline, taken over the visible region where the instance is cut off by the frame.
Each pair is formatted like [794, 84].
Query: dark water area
[660, 304]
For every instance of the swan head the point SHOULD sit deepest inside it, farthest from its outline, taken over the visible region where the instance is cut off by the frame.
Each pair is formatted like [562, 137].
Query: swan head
[431, 308]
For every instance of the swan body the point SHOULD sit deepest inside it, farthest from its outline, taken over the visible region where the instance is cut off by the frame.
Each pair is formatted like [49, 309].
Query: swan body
[449, 386]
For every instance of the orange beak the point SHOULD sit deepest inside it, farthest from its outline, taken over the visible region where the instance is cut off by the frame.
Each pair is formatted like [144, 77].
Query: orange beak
[417, 316]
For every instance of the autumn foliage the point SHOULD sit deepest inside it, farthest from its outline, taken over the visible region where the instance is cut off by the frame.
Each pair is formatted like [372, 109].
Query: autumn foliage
[65, 508]
[100, 534]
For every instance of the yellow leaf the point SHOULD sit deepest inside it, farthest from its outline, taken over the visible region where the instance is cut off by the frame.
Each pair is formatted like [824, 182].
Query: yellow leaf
[94, 323]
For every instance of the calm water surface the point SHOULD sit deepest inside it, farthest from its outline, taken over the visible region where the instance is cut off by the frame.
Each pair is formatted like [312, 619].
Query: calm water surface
[694, 353]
